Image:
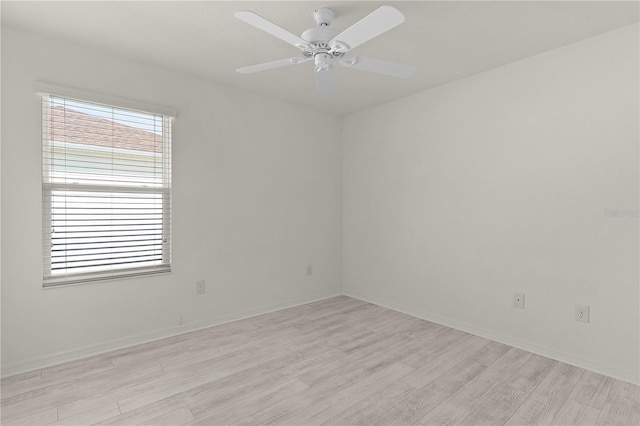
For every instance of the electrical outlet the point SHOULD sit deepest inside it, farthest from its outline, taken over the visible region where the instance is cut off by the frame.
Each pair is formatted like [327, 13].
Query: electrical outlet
[518, 300]
[309, 270]
[200, 287]
[582, 313]
[180, 320]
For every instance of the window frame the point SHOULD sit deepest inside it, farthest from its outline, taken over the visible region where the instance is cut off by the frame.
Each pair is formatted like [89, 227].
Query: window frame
[45, 91]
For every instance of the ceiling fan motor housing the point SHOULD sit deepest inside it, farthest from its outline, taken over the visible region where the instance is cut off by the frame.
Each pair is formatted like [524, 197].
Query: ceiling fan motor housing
[318, 46]
[318, 39]
[318, 35]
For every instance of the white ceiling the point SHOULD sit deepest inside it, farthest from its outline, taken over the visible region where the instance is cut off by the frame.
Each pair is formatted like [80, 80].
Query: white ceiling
[445, 40]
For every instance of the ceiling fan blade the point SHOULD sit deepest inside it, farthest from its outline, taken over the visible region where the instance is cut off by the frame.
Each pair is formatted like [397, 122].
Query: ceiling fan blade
[269, 27]
[377, 22]
[269, 65]
[326, 81]
[392, 69]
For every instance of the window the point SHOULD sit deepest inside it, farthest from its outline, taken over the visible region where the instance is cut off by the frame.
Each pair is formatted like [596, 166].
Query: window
[106, 191]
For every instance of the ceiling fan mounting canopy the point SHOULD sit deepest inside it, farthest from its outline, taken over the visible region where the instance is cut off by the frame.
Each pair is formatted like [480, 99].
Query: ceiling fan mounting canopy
[323, 16]
[324, 44]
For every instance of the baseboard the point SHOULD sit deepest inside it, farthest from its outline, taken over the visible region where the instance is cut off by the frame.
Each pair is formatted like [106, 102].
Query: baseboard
[35, 363]
[45, 361]
[607, 370]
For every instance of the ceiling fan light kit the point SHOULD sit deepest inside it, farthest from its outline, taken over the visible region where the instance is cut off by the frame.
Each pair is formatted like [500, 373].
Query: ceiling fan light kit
[325, 44]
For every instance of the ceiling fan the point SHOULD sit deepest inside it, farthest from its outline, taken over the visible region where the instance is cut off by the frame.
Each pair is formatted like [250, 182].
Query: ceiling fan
[324, 44]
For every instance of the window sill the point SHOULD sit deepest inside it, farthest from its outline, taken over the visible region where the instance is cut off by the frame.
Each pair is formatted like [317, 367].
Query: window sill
[64, 280]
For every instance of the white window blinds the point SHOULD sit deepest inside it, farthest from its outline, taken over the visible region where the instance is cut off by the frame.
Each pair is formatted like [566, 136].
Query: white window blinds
[106, 191]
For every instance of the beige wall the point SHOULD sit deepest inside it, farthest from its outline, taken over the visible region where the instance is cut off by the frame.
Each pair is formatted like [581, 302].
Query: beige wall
[256, 198]
[459, 196]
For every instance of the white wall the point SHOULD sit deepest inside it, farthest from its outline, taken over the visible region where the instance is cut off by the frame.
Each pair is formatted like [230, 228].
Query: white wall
[458, 196]
[256, 198]
[453, 199]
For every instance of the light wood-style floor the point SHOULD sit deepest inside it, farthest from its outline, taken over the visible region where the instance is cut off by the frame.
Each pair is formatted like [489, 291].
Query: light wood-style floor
[339, 361]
